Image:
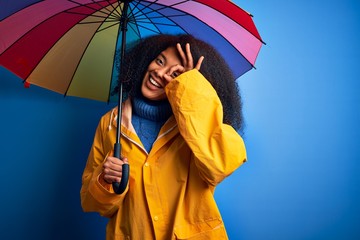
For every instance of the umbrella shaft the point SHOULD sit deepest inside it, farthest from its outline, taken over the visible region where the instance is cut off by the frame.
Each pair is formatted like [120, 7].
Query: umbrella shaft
[123, 23]
[119, 188]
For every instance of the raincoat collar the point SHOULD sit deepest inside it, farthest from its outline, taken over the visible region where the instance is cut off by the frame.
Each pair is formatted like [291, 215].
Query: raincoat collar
[126, 125]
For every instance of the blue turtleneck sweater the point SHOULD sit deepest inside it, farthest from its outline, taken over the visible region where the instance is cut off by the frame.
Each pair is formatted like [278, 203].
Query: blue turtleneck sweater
[147, 119]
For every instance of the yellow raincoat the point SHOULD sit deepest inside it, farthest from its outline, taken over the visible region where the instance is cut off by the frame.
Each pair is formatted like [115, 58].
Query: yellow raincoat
[170, 191]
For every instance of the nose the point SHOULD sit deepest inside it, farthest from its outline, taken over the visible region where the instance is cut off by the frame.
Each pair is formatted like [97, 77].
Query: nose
[160, 71]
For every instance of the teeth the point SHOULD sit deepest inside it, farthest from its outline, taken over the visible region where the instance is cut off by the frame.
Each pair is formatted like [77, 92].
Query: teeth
[153, 82]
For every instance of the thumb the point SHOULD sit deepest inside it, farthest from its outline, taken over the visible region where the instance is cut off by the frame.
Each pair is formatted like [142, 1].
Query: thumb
[125, 160]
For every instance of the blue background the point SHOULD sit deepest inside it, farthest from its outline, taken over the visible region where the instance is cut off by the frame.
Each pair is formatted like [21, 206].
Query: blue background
[301, 105]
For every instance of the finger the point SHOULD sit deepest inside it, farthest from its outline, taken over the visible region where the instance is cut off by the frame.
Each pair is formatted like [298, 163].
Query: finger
[111, 179]
[176, 70]
[200, 61]
[113, 165]
[115, 160]
[181, 52]
[168, 78]
[112, 173]
[190, 61]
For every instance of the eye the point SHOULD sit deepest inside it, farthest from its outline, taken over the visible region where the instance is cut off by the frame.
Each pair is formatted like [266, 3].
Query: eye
[175, 74]
[159, 61]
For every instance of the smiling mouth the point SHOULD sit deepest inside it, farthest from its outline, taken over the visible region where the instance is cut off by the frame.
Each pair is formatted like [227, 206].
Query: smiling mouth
[153, 82]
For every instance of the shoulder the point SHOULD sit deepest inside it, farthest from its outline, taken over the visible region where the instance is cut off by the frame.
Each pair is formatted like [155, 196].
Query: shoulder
[106, 120]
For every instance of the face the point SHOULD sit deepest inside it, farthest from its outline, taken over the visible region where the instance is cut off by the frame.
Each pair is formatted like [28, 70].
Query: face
[154, 83]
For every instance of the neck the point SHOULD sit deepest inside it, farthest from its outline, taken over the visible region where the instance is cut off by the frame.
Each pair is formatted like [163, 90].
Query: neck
[152, 110]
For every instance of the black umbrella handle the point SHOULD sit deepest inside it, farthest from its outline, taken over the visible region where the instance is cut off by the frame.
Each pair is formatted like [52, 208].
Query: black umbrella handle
[119, 187]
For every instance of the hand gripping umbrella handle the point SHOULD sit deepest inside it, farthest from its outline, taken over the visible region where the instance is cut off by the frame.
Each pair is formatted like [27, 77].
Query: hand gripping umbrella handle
[119, 187]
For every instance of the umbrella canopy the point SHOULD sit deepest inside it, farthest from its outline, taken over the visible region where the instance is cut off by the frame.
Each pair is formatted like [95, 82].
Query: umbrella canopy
[69, 46]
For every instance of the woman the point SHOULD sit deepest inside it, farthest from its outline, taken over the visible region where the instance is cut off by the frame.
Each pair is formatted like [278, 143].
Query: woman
[179, 138]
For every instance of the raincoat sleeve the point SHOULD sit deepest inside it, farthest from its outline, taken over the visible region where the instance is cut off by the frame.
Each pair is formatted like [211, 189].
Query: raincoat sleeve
[96, 195]
[217, 148]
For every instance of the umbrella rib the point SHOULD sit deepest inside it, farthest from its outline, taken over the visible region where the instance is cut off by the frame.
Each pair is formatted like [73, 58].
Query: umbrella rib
[136, 32]
[161, 8]
[115, 8]
[175, 15]
[133, 14]
[162, 24]
[133, 20]
[152, 30]
[112, 17]
[87, 5]
[107, 13]
[100, 21]
[117, 23]
[134, 17]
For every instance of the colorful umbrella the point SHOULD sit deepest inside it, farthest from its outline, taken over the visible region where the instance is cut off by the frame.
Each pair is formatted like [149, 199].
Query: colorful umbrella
[68, 46]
